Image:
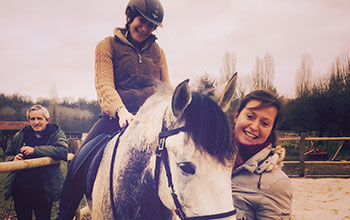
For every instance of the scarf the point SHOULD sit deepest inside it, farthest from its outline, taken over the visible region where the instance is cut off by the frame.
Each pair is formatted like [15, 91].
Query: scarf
[247, 151]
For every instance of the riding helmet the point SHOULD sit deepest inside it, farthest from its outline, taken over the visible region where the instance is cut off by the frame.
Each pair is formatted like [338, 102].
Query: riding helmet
[151, 10]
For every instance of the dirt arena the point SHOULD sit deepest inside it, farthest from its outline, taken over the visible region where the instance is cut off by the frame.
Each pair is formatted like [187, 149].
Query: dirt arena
[318, 199]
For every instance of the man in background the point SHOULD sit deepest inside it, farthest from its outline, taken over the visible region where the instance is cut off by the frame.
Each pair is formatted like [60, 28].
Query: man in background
[37, 188]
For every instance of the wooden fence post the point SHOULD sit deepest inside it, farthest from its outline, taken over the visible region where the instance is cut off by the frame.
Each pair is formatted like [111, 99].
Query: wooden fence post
[302, 155]
[73, 147]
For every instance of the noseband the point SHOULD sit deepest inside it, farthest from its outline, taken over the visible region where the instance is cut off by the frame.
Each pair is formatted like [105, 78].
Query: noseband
[162, 155]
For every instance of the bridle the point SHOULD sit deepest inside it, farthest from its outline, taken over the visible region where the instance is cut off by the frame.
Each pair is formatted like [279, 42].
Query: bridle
[162, 155]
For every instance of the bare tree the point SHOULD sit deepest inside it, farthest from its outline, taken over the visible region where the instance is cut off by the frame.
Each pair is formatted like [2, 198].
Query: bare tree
[269, 71]
[53, 104]
[303, 76]
[227, 71]
[244, 85]
[229, 65]
[257, 74]
[264, 73]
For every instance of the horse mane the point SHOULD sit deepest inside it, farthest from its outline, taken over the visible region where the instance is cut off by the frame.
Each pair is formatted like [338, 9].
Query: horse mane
[209, 127]
[204, 120]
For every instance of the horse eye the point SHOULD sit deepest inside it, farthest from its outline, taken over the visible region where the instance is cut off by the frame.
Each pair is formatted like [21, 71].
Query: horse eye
[187, 168]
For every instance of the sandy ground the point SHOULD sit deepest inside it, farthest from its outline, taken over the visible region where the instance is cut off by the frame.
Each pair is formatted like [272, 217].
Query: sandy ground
[318, 199]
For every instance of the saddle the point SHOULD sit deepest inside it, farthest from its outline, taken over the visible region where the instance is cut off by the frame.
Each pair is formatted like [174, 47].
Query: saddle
[88, 158]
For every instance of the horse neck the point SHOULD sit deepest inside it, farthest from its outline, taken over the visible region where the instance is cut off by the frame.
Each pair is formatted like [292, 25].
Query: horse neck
[142, 200]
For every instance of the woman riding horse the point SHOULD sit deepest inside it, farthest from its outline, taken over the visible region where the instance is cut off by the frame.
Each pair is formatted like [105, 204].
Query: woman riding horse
[128, 67]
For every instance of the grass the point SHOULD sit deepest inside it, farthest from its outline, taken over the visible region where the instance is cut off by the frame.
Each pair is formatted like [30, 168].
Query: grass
[6, 207]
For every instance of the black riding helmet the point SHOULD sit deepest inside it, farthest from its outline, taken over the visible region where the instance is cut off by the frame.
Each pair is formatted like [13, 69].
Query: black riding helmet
[151, 10]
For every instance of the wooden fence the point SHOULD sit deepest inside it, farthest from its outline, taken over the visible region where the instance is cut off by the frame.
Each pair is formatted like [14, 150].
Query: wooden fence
[44, 161]
[309, 168]
[30, 163]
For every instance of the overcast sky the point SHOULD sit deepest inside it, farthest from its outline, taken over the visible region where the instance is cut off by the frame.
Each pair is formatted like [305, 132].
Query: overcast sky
[46, 44]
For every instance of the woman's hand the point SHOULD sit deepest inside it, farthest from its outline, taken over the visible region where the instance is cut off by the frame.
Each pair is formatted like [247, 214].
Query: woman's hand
[125, 117]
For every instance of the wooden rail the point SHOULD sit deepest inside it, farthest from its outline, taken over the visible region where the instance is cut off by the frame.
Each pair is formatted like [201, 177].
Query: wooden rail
[315, 139]
[30, 163]
[318, 169]
[303, 139]
[44, 161]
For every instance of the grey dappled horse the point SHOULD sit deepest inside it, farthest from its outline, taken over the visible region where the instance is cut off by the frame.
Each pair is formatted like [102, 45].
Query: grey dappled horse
[174, 161]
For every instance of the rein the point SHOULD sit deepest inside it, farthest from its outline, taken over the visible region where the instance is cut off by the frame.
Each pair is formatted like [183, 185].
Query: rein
[114, 211]
[162, 155]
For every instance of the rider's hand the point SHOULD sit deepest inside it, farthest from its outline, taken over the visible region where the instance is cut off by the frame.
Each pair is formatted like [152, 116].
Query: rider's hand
[125, 117]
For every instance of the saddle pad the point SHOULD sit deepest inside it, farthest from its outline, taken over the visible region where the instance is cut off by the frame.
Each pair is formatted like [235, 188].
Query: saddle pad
[93, 168]
[85, 153]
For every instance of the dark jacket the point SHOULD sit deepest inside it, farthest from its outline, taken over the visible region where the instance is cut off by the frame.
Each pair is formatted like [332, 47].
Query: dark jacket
[56, 148]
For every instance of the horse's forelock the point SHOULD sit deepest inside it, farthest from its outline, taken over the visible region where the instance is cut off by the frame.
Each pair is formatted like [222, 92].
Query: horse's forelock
[204, 119]
[209, 128]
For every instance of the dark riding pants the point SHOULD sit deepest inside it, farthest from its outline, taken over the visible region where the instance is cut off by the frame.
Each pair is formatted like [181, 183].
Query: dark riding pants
[74, 186]
[27, 201]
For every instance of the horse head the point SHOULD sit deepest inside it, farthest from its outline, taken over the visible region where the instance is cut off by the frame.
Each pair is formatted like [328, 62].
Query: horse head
[200, 155]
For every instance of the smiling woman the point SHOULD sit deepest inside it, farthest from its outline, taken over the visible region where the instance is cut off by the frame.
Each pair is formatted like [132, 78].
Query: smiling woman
[129, 66]
[260, 188]
[255, 123]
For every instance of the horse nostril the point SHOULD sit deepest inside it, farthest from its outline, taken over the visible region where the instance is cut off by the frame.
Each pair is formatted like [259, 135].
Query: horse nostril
[187, 168]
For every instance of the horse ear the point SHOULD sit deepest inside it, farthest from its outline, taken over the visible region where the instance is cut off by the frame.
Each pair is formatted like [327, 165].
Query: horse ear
[181, 98]
[228, 93]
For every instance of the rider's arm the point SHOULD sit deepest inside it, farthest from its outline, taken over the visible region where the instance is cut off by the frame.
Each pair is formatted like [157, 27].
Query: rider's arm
[107, 95]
